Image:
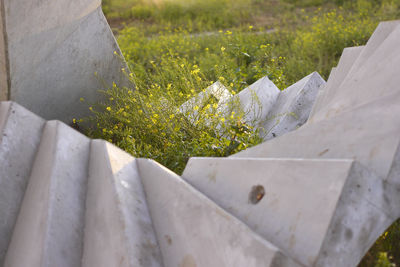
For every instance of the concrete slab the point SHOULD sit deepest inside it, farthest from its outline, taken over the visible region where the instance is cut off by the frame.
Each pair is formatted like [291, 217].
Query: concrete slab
[348, 58]
[20, 133]
[118, 228]
[257, 100]
[321, 92]
[377, 77]
[380, 34]
[368, 134]
[292, 107]
[54, 50]
[217, 91]
[318, 222]
[193, 231]
[49, 228]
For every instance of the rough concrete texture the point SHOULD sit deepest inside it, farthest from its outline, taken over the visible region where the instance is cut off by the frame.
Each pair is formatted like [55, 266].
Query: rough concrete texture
[118, 228]
[49, 227]
[257, 100]
[277, 198]
[370, 138]
[292, 107]
[193, 231]
[17, 152]
[3, 58]
[376, 77]
[349, 56]
[216, 92]
[317, 196]
[320, 95]
[54, 49]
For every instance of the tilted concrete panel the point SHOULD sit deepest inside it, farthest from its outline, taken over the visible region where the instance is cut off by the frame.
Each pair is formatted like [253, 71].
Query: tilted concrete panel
[257, 100]
[321, 93]
[316, 211]
[193, 231]
[50, 224]
[217, 91]
[349, 56]
[377, 77]
[20, 134]
[383, 30]
[368, 134]
[118, 228]
[54, 49]
[293, 106]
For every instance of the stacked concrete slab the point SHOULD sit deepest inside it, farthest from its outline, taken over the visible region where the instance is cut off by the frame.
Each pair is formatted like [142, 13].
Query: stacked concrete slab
[84, 202]
[319, 195]
[50, 52]
[263, 105]
[217, 93]
[292, 107]
[354, 124]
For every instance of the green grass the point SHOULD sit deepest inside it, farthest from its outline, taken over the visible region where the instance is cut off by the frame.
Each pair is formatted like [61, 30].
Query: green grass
[175, 49]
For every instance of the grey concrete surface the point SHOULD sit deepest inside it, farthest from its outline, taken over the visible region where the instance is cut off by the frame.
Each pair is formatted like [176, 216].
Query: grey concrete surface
[49, 227]
[3, 58]
[349, 56]
[257, 100]
[375, 78]
[118, 228]
[292, 107]
[17, 151]
[217, 91]
[193, 231]
[54, 49]
[321, 92]
[368, 134]
[318, 222]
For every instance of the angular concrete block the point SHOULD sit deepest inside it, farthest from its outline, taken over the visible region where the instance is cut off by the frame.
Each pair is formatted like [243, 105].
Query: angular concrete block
[317, 220]
[217, 92]
[53, 49]
[318, 101]
[193, 231]
[257, 100]
[380, 34]
[367, 134]
[49, 228]
[377, 77]
[118, 228]
[293, 106]
[349, 56]
[20, 133]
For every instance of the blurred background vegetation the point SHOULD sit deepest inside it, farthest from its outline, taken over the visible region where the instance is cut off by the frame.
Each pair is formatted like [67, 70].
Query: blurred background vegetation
[176, 48]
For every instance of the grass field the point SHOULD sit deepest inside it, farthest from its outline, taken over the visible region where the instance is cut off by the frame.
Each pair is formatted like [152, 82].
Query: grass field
[176, 48]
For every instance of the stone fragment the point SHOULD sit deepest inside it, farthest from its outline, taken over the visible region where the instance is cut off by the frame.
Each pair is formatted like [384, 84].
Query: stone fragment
[50, 225]
[193, 231]
[20, 132]
[118, 228]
